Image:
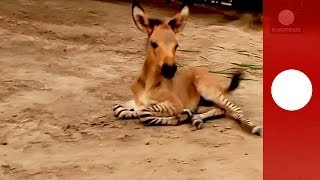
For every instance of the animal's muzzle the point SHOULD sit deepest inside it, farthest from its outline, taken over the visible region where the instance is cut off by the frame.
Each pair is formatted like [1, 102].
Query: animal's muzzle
[168, 71]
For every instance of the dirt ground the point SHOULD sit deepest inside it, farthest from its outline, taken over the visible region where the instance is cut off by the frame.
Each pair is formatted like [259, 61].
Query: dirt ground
[64, 64]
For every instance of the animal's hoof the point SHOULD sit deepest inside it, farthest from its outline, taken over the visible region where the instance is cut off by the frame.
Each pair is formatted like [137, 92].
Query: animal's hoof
[187, 112]
[198, 123]
[185, 115]
[257, 131]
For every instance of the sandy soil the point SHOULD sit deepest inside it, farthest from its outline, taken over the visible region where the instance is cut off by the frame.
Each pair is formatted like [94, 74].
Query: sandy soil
[65, 64]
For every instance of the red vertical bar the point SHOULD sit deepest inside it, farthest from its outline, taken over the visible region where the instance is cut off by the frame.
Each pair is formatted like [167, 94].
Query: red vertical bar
[292, 139]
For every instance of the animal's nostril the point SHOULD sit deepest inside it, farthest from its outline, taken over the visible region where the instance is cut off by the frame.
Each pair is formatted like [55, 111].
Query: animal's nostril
[168, 71]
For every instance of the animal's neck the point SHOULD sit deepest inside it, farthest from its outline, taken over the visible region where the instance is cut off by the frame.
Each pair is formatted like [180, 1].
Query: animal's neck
[151, 73]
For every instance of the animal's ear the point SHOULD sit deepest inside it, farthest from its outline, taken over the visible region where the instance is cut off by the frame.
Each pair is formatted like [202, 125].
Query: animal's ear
[177, 23]
[142, 20]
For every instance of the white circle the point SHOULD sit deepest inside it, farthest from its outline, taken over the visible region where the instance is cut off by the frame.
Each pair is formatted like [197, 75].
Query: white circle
[291, 90]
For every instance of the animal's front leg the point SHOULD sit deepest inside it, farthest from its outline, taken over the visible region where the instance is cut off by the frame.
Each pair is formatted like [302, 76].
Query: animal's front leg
[126, 110]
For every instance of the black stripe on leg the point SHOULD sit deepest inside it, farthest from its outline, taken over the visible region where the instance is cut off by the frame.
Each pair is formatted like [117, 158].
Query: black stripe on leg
[156, 108]
[144, 115]
[161, 108]
[155, 121]
[116, 107]
[117, 115]
[146, 120]
[233, 106]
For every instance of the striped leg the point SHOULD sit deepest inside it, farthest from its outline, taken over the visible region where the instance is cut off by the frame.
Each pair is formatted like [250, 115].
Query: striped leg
[163, 109]
[237, 114]
[149, 117]
[202, 115]
[125, 111]
[210, 93]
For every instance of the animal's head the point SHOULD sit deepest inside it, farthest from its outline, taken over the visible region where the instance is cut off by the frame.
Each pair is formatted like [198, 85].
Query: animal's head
[162, 37]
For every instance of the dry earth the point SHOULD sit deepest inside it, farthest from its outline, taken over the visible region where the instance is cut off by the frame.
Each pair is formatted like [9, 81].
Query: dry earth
[64, 64]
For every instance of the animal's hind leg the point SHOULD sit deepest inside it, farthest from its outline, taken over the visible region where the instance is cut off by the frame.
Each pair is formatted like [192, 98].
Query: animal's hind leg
[164, 114]
[204, 113]
[209, 91]
[166, 121]
[125, 110]
[163, 109]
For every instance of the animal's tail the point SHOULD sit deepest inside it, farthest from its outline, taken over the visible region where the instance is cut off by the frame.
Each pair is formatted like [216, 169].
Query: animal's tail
[235, 81]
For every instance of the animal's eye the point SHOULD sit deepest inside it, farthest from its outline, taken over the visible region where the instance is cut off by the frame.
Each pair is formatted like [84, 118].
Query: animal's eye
[176, 46]
[154, 45]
